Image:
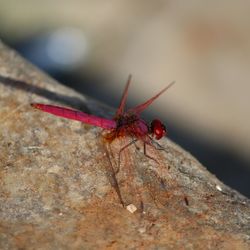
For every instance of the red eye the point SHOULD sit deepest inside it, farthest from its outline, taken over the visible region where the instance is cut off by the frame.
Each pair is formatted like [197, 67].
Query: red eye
[158, 129]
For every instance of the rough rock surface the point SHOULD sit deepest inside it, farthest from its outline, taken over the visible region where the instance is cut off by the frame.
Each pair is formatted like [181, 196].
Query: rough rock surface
[56, 190]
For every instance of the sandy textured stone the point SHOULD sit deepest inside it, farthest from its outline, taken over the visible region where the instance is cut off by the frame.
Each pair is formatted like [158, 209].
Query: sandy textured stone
[56, 192]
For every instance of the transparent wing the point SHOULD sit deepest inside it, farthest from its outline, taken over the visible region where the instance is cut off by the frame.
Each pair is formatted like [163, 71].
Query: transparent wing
[121, 107]
[138, 109]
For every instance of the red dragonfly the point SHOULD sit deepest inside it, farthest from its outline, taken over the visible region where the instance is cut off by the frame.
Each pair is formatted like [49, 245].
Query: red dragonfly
[124, 123]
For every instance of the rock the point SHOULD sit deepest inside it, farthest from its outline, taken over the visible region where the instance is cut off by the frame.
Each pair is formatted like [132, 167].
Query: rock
[56, 190]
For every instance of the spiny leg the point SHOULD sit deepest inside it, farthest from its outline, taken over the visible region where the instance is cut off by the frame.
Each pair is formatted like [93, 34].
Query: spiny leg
[120, 151]
[159, 146]
[145, 152]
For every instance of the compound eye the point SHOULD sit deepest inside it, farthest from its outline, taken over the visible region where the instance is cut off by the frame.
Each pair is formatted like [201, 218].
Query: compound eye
[158, 129]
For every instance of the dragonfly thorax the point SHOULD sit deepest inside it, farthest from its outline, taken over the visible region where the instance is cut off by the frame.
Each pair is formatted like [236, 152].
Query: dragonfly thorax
[132, 125]
[126, 120]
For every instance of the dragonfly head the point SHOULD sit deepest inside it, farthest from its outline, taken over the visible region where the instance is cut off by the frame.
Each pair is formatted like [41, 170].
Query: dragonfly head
[158, 129]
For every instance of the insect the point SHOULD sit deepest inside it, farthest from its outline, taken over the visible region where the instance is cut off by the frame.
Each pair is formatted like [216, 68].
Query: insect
[124, 123]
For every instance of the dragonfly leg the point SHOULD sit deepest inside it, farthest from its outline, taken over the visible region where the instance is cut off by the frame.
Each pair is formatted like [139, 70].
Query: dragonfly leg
[145, 153]
[159, 146]
[122, 149]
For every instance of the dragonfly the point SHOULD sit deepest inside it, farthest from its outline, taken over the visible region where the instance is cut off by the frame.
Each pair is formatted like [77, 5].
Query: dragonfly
[124, 124]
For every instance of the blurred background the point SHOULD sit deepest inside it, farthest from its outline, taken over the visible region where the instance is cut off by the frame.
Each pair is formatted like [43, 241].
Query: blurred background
[204, 46]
